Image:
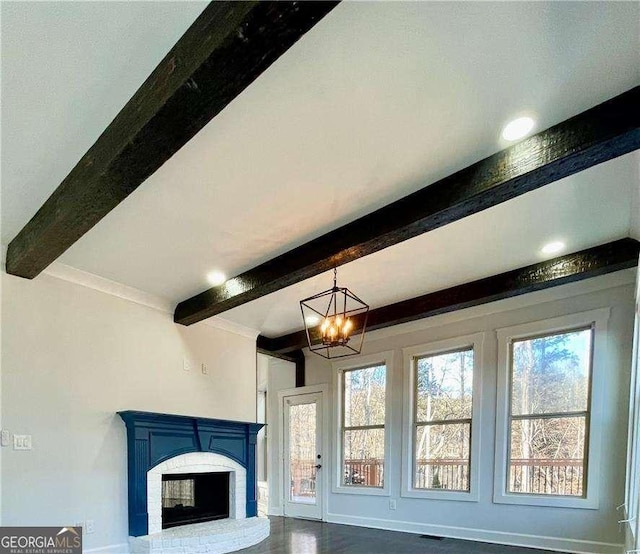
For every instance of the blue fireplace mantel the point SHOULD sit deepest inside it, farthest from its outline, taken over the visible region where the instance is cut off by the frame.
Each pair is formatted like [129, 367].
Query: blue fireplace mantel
[153, 438]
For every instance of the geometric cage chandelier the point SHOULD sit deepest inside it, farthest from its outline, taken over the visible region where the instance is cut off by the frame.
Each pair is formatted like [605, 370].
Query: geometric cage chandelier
[330, 320]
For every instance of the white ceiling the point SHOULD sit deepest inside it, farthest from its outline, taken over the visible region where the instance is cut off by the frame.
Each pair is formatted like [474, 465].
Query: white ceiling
[581, 211]
[378, 100]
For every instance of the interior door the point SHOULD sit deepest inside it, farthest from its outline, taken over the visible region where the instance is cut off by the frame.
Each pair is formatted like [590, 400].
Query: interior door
[303, 456]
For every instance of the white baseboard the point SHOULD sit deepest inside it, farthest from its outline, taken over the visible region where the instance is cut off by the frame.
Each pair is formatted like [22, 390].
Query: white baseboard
[122, 548]
[498, 537]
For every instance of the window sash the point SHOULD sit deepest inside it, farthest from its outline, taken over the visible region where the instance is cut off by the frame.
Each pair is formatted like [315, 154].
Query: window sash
[363, 427]
[552, 415]
[343, 386]
[344, 461]
[584, 459]
[433, 422]
[345, 428]
[416, 359]
[416, 426]
[443, 421]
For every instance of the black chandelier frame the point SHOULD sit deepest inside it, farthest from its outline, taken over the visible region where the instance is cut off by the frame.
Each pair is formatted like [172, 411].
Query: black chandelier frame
[336, 303]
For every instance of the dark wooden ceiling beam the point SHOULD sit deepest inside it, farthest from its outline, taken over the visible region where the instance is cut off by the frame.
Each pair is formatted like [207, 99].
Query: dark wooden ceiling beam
[607, 258]
[228, 46]
[604, 132]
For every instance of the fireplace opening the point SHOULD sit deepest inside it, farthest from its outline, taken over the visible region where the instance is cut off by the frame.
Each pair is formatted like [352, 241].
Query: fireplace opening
[194, 498]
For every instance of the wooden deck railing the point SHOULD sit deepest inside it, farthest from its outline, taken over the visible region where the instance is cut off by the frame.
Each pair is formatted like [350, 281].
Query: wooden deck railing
[369, 473]
[442, 474]
[547, 476]
[534, 476]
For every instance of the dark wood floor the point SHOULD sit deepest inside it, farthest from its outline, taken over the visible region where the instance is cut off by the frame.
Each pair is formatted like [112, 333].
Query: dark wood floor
[297, 536]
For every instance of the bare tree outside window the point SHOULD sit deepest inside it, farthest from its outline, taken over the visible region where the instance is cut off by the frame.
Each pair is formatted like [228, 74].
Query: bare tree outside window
[549, 413]
[362, 428]
[443, 401]
[302, 452]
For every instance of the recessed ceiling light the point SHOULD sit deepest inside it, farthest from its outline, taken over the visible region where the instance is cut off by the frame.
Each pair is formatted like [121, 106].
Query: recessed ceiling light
[518, 128]
[312, 320]
[216, 278]
[552, 247]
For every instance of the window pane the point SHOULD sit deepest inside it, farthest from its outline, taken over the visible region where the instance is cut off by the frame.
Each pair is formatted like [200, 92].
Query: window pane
[302, 453]
[551, 374]
[363, 457]
[442, 456]
[547, 456]
[444, 386]
[364, 395]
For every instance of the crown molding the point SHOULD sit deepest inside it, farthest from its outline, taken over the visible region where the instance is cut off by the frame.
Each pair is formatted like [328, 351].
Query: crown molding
[232, 327]
[107, 286]
[132, 294]
[114, 288]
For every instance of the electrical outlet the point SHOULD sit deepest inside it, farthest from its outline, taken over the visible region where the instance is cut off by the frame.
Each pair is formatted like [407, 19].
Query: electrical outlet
[392, 503]
[90, 526]
[6, 438]
[186, 364]
[22, 442]
[205, 369]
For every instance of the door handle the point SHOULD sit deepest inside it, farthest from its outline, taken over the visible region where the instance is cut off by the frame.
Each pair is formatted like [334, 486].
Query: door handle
[318, 466]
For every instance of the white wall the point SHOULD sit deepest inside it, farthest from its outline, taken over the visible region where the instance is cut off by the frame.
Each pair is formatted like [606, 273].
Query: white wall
[72, 357]
[281, 376]
[576, 529]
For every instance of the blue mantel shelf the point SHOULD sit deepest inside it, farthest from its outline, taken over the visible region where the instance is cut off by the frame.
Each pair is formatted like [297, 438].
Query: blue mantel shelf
[153, 438]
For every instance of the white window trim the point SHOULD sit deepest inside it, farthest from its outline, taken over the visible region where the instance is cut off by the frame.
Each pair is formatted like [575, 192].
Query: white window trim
[632, 489]
[599, 319]
[339, 367]
[474, 341]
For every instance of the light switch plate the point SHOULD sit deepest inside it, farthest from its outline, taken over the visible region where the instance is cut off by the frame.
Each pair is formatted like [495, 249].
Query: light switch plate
[186, 364]
[6, 438]
[22, 442]
[205, 369]
[90, 526]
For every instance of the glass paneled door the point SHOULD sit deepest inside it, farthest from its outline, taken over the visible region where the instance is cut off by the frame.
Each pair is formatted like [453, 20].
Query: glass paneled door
[303, 457]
